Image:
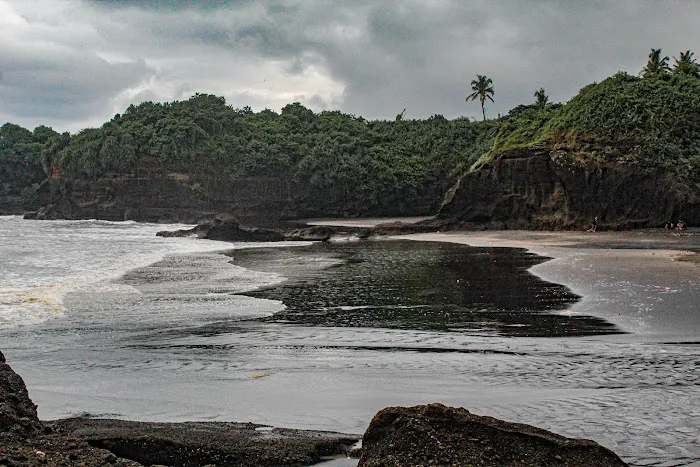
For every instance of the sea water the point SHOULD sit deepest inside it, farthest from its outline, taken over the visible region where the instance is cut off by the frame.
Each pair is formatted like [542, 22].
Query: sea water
[106, 319]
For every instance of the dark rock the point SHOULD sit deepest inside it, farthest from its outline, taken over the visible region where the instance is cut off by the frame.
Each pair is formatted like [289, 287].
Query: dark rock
[318, 233]
[225, 219]
[58, 451]
[194, 444]
[401, 228]
[23, 438]
[438, 435]
[18, 417]
[158, 197]
[535, 188]
[226, 228]
[91, 442]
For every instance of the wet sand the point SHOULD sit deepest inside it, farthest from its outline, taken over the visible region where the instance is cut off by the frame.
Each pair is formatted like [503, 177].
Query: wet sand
[646, 282]
[171, 353]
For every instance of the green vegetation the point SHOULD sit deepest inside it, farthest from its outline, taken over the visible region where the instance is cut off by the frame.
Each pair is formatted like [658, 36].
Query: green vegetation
[656, 64]
[21, 158]
[336, 163]
[482, 88]
[541, 98]
[339, 164]
[686, 64]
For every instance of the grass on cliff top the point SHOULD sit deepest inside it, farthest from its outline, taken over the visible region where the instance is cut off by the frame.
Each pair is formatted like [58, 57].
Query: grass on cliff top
[649, 122]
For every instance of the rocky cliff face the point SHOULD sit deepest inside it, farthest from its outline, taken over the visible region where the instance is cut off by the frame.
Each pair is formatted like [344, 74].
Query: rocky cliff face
[190, 198]
[164, 199]
[538, 188]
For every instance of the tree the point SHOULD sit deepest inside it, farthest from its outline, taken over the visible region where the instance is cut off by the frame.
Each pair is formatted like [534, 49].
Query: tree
[686, 64]
[540, 98]
[483, 89]
[656, 65]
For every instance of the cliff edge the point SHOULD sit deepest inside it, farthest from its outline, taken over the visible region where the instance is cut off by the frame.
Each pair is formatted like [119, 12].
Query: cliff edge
[543, 188]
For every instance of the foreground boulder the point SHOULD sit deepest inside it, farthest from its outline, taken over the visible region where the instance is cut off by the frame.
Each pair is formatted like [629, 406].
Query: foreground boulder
[195, 443]
[18, 418]
[25, 441]
[439, 435]
[397, 436]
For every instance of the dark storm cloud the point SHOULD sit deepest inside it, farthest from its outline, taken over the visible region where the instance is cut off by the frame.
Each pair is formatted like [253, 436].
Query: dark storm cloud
[78, 61]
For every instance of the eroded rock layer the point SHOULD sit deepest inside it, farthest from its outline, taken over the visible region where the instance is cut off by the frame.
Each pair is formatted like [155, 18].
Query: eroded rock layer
[539, 188]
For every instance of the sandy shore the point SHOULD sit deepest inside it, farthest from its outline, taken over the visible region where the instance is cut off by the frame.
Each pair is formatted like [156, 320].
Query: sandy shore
[646, 282]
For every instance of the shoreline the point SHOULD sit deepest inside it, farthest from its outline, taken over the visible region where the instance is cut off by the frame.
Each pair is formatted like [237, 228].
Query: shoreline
[630, 279]
[578, 265]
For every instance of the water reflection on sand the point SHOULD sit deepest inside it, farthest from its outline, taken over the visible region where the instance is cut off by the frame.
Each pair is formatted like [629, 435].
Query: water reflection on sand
[365, 326]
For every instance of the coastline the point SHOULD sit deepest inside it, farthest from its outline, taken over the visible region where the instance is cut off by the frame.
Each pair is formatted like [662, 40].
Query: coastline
[632, 279]
[561, 379]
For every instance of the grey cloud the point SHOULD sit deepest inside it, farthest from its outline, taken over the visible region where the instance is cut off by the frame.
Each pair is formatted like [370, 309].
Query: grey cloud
[72, 87]
[414, 54]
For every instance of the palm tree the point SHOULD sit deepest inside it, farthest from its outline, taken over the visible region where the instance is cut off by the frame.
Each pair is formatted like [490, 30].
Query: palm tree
[686, 64]
[483, 89]
[540, 98]
[656, 65]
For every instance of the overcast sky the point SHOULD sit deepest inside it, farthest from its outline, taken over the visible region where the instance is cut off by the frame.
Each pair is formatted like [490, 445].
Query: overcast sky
[71, 64]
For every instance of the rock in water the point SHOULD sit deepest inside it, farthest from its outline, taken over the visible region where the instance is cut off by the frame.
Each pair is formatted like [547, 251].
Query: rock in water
[439, 435]
[226, 228]
[318, 233]
[18, 417]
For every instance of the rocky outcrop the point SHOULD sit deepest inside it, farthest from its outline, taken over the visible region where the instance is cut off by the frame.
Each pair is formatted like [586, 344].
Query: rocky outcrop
[25, 441]
[541, 188]
[194, 444]
[424, 435]
[18, 417]
[225, 227]
[165, 198]
[438, 435]
[317, 233]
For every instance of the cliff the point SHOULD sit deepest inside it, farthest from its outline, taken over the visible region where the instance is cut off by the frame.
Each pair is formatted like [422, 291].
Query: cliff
[171, 198]
[193, 198]
[554, 188]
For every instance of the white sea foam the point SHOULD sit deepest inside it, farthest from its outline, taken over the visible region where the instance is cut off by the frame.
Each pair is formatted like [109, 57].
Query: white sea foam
[44, 261]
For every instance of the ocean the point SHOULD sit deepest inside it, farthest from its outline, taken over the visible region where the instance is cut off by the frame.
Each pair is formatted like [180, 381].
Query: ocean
[106, 319]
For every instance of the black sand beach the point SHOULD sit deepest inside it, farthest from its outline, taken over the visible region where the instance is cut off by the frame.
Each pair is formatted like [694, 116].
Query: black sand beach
[328, 362]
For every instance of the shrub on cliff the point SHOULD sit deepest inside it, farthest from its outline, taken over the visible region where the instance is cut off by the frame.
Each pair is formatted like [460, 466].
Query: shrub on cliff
[651, 122]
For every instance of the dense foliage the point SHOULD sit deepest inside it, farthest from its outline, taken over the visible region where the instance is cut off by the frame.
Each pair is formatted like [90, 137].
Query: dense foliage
[337, 163]
[652, 121]
[21, 153]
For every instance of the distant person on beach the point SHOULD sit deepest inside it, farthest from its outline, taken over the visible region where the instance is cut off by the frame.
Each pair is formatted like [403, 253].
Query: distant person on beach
[681, 225]
[669, 225]
[594, 225]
